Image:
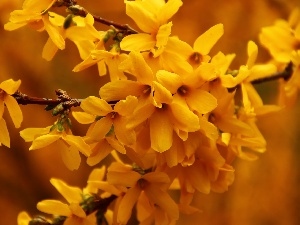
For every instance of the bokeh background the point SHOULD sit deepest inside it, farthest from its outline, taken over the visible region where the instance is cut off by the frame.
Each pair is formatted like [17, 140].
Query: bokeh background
[265, 191]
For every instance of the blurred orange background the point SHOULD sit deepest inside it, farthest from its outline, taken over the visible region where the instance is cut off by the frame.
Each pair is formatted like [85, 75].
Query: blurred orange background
[265, 191]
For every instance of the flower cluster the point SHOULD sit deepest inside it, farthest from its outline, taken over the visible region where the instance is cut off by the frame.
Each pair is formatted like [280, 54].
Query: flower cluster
[172, 116]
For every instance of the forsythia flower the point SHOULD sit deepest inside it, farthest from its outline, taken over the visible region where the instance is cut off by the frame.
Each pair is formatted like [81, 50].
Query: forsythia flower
[73, 211]
[108, 129]
[35, 14]
[153, 184]
[71, 145]
[81, 31]
[7, 88]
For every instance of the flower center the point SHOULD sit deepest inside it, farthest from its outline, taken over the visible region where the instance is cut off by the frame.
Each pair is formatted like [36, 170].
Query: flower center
[183, 90]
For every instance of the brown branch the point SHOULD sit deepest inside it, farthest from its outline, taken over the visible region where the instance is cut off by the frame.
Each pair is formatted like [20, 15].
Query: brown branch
[285, 74]
[80, 11]
[95, 204]
[59, 105]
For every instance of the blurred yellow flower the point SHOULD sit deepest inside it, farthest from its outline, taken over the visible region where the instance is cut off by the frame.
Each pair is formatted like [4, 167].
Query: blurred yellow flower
[153, 184]
[73, 211]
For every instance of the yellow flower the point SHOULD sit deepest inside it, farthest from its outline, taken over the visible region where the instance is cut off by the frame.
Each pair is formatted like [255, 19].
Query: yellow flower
[73, 211]
[35, 14]
[252, 102]
[108, 130]
[153, 184]
[156, 104]
[203, 44]
[81, 31]
[104, 58]
[282, 38]
[151, 16]
[70, 145]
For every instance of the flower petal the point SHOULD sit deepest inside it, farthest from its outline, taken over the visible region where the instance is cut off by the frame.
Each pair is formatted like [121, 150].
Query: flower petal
[118, 90]
[207, 40]
[79, 143]
[54, 207]
[71, 194]
[95, 106]
[70, 157]
[83, 117]
[127, 203]
[10, 86]
[137, 42]
[201, 101]
[161, 131]
[168, 10]
[14, 110]
[43, 141]
[162, 199]
[4, 137]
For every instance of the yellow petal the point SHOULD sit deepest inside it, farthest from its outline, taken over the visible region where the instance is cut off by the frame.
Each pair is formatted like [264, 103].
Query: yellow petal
[23, 218]
[261, 71]
[77, 210]
[116, 145]
[207, 40]
[161, 131]
[127, 203]
[70, 157]
[137, 42]
[124, 135]
[252, 53]
[100, 129]
[29, 134]
[54, 207]
[43, 141]
[53, 32]
[10, 86]
[163, 200]
[162, 35]
[118, 90]
[168, 10]
[141, 15]
[126, 107]
[99, 152]
[140, 115]
[157, 177]
[79, 143]
[201, 101]
[49, 50]
[4, 137]
[95, 106]
[117, 172]
[14, 110]
[83, 117]
[161, 94]
[71, 194]
[1, 108]
[184, 118]
[171, 81]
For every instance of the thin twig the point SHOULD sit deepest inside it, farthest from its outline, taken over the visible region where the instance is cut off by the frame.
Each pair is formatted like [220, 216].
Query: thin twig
[285, 74]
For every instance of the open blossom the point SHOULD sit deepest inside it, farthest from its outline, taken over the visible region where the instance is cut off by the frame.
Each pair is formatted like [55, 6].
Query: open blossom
[69, 144]
[73, 210]
[75, 28]
[35, 14]
[153, 184]
[108, 130]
